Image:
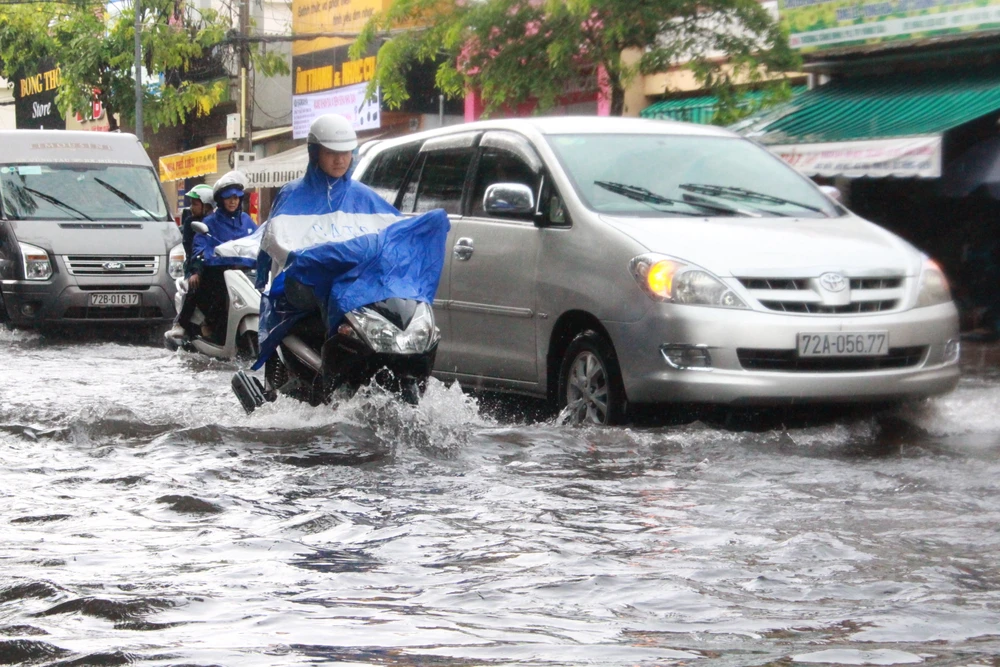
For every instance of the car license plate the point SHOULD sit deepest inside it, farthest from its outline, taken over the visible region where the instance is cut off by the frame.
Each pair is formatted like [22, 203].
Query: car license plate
[104, 299]
[844, 344]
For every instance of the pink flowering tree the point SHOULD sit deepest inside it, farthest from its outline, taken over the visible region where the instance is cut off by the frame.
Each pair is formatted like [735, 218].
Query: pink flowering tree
[513, 51]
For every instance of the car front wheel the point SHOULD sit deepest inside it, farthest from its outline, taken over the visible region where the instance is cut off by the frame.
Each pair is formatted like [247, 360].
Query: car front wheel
[590, 382]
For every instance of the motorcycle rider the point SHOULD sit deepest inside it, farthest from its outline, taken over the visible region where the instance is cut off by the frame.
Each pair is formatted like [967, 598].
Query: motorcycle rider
[226, 223]
[201, 204]
[324, 205]
[326, 188]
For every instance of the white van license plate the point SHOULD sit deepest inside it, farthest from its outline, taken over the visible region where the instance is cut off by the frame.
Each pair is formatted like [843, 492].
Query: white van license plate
[844, 344]
[103, 299]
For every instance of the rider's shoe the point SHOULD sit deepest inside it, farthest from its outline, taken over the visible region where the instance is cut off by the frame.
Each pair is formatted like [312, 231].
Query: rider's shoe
[176, 331]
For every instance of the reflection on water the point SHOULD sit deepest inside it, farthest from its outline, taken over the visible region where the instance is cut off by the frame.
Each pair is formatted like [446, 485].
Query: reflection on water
[148, 520]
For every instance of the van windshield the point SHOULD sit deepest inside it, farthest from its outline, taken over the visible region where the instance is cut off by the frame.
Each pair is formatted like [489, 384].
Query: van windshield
[80, 192]
[674, 175]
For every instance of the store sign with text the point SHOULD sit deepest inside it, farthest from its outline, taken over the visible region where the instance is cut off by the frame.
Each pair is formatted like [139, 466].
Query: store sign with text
[904, 157]
[822, 24]
[330, 16]
[35, 98]
[349, 102]
[189, 164]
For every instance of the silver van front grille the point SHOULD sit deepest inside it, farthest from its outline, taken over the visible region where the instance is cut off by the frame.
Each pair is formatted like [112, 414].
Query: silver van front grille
[112, 265]
[805, 296]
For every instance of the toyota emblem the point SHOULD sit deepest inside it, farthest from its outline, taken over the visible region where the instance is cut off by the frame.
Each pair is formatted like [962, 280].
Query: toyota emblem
[114, 266]
[833, 282]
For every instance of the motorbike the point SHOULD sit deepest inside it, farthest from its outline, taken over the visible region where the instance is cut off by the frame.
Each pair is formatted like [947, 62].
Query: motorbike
[390, 343]
[243, 300]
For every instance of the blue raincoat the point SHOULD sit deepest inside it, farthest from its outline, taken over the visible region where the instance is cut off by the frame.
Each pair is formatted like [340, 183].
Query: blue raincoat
[223, 226]
[349, 245]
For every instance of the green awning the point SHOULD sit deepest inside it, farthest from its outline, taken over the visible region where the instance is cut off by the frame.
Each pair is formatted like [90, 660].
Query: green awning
[916, 103]
[875, 126]
[697, 109]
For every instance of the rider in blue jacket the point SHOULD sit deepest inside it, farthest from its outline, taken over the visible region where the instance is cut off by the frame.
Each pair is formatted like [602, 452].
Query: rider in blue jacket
[327, 186]
[226, 223]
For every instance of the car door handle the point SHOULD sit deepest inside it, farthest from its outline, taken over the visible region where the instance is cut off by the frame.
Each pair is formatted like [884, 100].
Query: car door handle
[463, 249]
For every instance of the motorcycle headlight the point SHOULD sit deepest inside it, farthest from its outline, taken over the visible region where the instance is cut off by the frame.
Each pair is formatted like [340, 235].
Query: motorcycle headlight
[175, 267]
[36, 262]
[385, 337]
[672, 280]
[933, 286]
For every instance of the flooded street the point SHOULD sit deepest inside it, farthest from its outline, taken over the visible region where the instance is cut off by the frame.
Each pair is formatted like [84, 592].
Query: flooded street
[147, 520]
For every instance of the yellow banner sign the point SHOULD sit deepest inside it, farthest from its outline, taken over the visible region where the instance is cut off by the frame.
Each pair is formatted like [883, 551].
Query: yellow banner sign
[324, 16]
[327, 77]
[188, 165]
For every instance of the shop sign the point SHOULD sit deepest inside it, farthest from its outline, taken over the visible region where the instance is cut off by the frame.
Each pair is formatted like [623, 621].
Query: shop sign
[276, 170]
[875, 158]
[189, 164]
[348, 102]
[35, 98]
[821, 24]
[316, 16]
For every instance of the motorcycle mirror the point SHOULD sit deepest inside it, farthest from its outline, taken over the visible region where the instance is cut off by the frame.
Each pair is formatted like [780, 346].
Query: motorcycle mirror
[831, 191]
[199, 227]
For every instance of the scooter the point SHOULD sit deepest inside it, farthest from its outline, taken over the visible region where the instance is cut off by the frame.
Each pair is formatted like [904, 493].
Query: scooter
[391, 343]
[241, 325]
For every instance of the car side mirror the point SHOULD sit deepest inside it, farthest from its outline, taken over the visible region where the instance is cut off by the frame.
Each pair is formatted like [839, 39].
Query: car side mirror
[503, 199]
[831, 191]
[199, 227]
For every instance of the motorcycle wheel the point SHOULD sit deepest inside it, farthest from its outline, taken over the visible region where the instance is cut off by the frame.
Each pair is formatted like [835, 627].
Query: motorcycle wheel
[275, 373]
[409, 391]
[247, 346]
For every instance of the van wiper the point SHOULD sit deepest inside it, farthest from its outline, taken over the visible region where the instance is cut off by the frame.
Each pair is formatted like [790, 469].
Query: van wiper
[57, 202]
[125, 198]
[648, 196]
[743, 193]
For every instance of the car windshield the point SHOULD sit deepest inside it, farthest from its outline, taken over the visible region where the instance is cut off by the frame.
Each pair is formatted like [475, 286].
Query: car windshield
[80, 192]
[672, 175]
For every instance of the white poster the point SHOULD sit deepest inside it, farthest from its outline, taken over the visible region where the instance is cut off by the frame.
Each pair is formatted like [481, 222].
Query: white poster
[907, 156]
[348, 101]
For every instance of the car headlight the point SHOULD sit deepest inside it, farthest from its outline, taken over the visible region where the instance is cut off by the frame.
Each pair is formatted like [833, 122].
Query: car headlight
[666, 279]
[385, 337]
[933, 286]
[36, 262]
[175, 267]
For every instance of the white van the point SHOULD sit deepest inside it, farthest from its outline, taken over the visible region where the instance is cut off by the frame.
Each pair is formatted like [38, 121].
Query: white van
[85, 231]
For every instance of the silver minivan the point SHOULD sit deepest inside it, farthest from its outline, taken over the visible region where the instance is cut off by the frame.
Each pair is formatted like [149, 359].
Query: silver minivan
[611, 262]
[85, 232]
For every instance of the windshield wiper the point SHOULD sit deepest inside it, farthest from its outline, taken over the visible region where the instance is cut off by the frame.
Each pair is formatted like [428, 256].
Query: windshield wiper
[125, 198]
[743, 193]
[648, 196]
[57, 202]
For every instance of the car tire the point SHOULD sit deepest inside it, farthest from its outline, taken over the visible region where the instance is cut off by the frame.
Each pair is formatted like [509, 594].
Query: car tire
[590, 382]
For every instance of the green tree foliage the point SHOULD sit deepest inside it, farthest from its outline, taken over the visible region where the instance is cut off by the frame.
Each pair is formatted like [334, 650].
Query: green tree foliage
[95, 52]
[515, 50]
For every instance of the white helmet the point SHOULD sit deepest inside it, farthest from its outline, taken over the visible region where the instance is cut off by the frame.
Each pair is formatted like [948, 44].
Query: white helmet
[334, 132]
[231, 179]
[202, 193]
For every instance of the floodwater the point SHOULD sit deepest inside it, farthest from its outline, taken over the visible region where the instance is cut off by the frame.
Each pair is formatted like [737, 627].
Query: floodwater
[145, 519]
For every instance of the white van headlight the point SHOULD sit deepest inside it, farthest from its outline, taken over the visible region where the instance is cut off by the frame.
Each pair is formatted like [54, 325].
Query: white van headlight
[175, 267]
[933, 286]
[666, 279]
[36, 262]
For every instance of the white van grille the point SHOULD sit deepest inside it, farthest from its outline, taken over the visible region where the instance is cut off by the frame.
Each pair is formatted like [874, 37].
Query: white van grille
[112, 265]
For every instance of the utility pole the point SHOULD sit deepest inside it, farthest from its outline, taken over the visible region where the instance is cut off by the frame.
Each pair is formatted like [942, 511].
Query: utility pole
[138, 70]
[246, 141]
